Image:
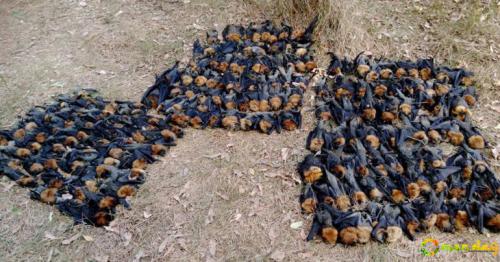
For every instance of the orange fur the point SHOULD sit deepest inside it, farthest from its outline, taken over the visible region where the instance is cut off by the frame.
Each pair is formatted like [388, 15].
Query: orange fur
[413, 190]
[36, 168]
[230, 122]
[309, 205]
[139, 163]
[289, 125]
[375, 194]
[101, 219]
[23, 152]
[25, 180]
[494, 222]
[461, 220]
[373, 141]
[329, 235]
[343, 202]
[138, 137]
[456, 138]
[349, 236]
[388, 116]
[115, 153]
[443, 222]
[49, 195]
[91, 185]
[51, 164]
[265, 125]
[316, 144]
[440, 186]
[313, 174]
[369, 114]
[107, 202]
[360, 197]
[476, 142]
[394, 234]
[380, 90]
[397, 196]
[125, 191]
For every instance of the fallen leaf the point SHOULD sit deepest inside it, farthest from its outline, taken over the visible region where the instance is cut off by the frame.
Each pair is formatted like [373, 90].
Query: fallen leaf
[50, 236]
[495, 106]
[147, 214]
[251, 171]
[88, 238]
[278, 255]
[182, 243]
[296, 225]
[127, 236]
[212, 247]
[163, 245]
[210, 216]
[497, 127]
[222, 196]
[284, 154]
[71, 239]
[496, 152]
[237, 217]
[139, 255]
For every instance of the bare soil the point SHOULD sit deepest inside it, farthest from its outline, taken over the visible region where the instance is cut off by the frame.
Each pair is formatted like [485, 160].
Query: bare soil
[218, 195]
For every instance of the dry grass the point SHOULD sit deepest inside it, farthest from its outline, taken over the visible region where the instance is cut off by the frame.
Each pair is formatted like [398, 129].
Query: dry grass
[217, 195]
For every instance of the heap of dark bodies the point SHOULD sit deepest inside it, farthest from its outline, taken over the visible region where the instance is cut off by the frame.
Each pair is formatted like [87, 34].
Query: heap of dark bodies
[375, 171]
[86, 155]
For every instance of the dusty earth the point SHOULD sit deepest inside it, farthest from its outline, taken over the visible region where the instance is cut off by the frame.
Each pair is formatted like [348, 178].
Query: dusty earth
[217, 195]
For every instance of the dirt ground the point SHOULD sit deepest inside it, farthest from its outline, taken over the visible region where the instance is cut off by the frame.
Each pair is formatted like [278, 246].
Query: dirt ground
[218, 195]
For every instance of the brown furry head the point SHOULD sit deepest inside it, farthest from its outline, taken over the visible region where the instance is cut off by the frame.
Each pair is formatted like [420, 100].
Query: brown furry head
[49, 195]
[35, 147]
[443, 222]
[386, 73]
[440, 186]
[456, 138]
[413, 190]
[369, 114]
[424, 186]
[349, 236]
[138, 137]
[158, 150]
[309, 205]
[400, 72]
[26, 180]
[265, 125]
[363, 69]
[329, 235]
[380, 90]
[51, 164]
[360, 197]
[343, 202]
[23, 152]
[397, 196]
[373, 141]
[36, 168]
[111, 161]
[388, 117]
[125, 191]
[139, 163]
[102, 218]
[429, 222]
[312, 174]
[289, 125]
[316, 144]
[494, 223]
[470, 100]
[364, 234]
[461, 220]
[91, 185]
[107, 202]
[19, 134]
[375, 194]
[434, 136]
[405, 108]
[115, 153]
[394, 234]
[230, 122]
[476, 142]
[101, 170]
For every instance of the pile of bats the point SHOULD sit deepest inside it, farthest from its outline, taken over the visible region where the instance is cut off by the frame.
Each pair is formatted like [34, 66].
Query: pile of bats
[87, 155]
[84, 154]
[377, 170]
[251, 79]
